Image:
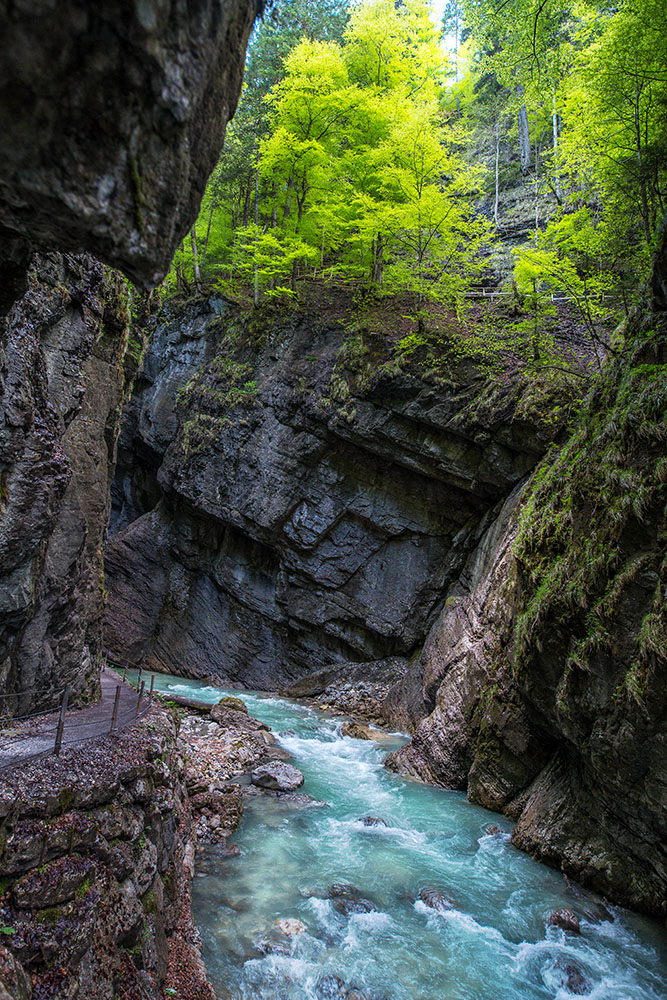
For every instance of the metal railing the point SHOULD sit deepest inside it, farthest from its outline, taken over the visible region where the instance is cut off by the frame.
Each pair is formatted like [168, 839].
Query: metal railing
[49, 735]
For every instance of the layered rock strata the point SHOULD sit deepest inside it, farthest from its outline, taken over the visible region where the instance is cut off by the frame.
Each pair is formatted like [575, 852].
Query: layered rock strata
[289, 496]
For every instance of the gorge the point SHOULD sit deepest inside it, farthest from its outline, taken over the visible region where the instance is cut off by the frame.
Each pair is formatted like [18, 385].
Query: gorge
[302, 482]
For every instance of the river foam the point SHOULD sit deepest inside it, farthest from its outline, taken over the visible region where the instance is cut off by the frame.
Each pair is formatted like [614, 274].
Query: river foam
[489, 941]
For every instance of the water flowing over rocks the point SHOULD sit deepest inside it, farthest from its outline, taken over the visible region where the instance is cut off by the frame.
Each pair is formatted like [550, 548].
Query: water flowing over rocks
[112, 118]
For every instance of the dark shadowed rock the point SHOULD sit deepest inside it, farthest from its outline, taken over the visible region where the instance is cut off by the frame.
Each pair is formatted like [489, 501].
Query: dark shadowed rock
[436, 899]
[278, 776]
[337, 556]
[112, 118]
[566, 920]
[372, 821]
[61, 383]
[573, 978]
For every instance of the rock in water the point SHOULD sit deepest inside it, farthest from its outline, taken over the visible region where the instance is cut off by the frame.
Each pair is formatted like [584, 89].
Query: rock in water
[330, 987]
[277, 775]
[347, 899]
[573, 978]
[567, 920]
[436, 899]
[372, 821]
[290, 926]
[356, 730]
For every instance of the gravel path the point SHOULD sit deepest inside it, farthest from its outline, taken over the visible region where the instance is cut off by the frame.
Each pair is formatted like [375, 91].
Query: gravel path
[29, 738]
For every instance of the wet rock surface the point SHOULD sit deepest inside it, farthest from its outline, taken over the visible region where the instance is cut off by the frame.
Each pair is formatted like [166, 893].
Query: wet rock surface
[61, 382]
[311, 531]
[112, 117]
[278, 776]
[536, 712]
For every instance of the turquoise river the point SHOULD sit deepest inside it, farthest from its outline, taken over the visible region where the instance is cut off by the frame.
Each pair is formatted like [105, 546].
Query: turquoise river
[379, 940]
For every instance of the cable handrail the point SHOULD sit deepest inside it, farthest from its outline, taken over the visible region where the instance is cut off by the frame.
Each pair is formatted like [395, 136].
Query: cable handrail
[62, 727]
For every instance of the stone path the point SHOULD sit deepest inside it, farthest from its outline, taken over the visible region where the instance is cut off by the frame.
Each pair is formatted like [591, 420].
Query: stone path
[30, 738]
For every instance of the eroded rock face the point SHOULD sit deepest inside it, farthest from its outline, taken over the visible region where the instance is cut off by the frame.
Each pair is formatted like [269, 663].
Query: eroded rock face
[296, 511]
[95, 898]
[61, 383]
[112, 117]
[549, 661]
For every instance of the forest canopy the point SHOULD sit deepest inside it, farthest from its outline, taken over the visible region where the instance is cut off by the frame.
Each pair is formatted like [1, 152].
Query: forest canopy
[377, 147]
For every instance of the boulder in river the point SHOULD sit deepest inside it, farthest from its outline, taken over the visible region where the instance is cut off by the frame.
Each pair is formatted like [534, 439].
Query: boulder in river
[290, 926]
[573, 978]
[436, 899]
[330, 987]
[347, 899]
[566, 919]
[372, 821]
[356, 730]
[277, 775]
[236, 704]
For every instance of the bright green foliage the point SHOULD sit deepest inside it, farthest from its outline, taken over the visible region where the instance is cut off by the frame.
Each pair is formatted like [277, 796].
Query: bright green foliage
[355, 176]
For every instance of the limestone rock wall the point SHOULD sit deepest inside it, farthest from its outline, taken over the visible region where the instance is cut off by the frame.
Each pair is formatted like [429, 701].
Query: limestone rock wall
[548, 664]
[61, 384]
[112, 117]
[287, 498]
[96, 858]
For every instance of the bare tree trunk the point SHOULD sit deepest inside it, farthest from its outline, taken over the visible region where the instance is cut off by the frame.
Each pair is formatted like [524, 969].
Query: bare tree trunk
[497, 198]
[208, 233]
[556, 134]
[537, 192]
[255, 268]
[195, 259]
[524, 135]
[246, 203]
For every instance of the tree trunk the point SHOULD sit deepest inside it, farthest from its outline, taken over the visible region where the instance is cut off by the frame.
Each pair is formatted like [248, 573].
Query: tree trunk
[208, 233]
[246, 204]
[524, 135]
[195, 259]
[255, 269]
[497, 198]
[556, 134]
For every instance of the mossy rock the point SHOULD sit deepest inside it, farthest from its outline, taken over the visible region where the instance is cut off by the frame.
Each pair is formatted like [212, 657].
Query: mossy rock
[230, 703]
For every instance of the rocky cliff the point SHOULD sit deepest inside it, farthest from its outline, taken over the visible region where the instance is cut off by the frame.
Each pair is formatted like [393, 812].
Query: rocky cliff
[62, 349]
[549, 660]
[112, 117]
[293, 492]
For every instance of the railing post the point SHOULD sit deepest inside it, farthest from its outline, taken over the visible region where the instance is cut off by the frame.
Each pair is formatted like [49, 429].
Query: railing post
[61, 721]
[114, 717]
[141, 694]
[139, 678]
[150, 693]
